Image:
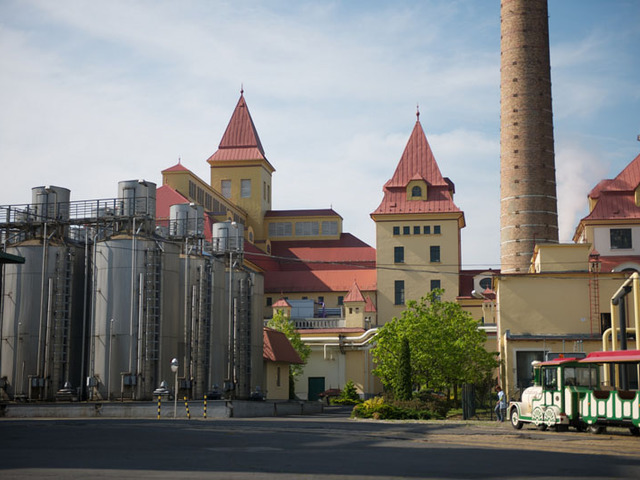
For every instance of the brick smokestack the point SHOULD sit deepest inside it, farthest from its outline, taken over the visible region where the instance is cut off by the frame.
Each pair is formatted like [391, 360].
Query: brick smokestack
[528, 201]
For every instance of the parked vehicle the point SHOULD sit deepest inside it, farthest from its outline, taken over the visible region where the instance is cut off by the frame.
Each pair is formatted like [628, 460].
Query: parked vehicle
[592, 393]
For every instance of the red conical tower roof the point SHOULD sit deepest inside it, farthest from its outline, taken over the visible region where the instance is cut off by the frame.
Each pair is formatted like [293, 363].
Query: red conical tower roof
[417, 163]
[240, 140]
[354, 295]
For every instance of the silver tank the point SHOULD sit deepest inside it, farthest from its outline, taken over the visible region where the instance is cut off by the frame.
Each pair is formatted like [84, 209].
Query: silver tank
[227, 237]
[136, 197]
[42, 320]
[186, 220]
[50, 203]
[194, 300]
[133, 316]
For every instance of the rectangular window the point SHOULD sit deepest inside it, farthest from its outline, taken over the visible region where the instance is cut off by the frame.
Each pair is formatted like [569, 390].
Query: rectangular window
[307, 229]
[330, 228]
[264, 191]
[245, 188]
[225, 186]
[399, 292]
[427, 230]
[320, 299]
[620, 238]
[269, 301]
[406, 230]
[278, 377]
[398, 254]
[280, 229]
[435, 284]
[396, 230]
[434, 253]
[340, 300]
[436, 229]
[416, 230]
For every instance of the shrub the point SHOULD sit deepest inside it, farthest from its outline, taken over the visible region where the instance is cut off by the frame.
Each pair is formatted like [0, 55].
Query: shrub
[348, 396]
[380, 409]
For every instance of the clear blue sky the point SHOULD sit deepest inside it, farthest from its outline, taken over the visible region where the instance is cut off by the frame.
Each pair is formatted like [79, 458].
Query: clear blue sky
[94, 92]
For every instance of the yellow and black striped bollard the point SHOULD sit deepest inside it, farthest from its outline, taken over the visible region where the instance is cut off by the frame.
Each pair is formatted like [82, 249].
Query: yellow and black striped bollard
[159, 400]
[186, 405]
[205, 407]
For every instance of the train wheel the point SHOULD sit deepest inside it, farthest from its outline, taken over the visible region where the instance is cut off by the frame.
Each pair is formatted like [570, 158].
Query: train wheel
[515, 419]
[581, 427]
[597, 429]
[562, 428]
[635, 431]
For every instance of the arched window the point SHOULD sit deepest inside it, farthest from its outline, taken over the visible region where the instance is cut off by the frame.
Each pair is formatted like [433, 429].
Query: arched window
[416, 191]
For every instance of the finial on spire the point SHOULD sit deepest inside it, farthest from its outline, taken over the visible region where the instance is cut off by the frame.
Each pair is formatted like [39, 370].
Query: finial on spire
[179, 160]
[241, 89]
[418, 112]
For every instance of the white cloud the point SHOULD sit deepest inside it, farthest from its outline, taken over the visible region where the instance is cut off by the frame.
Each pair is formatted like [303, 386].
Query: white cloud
[578, 170]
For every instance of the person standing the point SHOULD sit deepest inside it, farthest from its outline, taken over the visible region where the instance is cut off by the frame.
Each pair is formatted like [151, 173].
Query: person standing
[501, 405]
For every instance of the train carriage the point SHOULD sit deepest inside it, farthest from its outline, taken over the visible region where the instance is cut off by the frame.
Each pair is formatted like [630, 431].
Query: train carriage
[594, 392]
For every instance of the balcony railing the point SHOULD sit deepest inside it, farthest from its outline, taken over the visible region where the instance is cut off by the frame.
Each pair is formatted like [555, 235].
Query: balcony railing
[315, 323]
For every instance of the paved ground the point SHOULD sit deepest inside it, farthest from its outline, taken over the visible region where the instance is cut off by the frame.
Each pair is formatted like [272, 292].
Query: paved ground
[329, 446]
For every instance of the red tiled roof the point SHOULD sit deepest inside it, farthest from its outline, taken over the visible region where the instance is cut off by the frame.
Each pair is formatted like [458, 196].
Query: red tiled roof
[240, 140]
[616, 198]
[369, 306]
[327, 212]
[354, 295]
[278, 348]
[346, 252]
[178, 167]
[417, 162]
[609, 263]
[627, 180]
[318, 280]
[282, 303]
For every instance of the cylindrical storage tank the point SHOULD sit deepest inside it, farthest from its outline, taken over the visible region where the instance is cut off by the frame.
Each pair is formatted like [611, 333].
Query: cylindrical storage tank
[126, 322]
[42, 320]
[137, 197]
[219, 355]
[186, 220]
[227, 237]
[195, 324]
[50, 203]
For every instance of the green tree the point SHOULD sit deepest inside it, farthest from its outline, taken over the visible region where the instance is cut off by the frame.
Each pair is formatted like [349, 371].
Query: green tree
[283, 324]
[406, 382]
[446, 348]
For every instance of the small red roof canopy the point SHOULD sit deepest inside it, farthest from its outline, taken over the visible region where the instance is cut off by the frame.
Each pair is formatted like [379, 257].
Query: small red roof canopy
[615, 356]
[278, 348]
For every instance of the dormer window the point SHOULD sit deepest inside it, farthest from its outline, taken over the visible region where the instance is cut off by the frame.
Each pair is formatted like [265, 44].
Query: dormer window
[417, 190]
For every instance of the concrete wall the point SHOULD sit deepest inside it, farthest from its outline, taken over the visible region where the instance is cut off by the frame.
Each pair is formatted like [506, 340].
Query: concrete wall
[215, 409]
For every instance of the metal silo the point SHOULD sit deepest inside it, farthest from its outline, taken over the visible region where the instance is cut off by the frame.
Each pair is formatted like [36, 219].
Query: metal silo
[42, 315]
[137, 203]
[126, 318]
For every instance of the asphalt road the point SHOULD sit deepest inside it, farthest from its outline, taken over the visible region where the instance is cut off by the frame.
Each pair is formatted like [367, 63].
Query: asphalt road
[319, 447]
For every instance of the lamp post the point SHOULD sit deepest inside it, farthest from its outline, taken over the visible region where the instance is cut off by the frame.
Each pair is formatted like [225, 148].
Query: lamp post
[174, 368]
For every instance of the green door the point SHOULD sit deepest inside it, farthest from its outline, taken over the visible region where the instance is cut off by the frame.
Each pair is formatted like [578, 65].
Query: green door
[316, 387]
